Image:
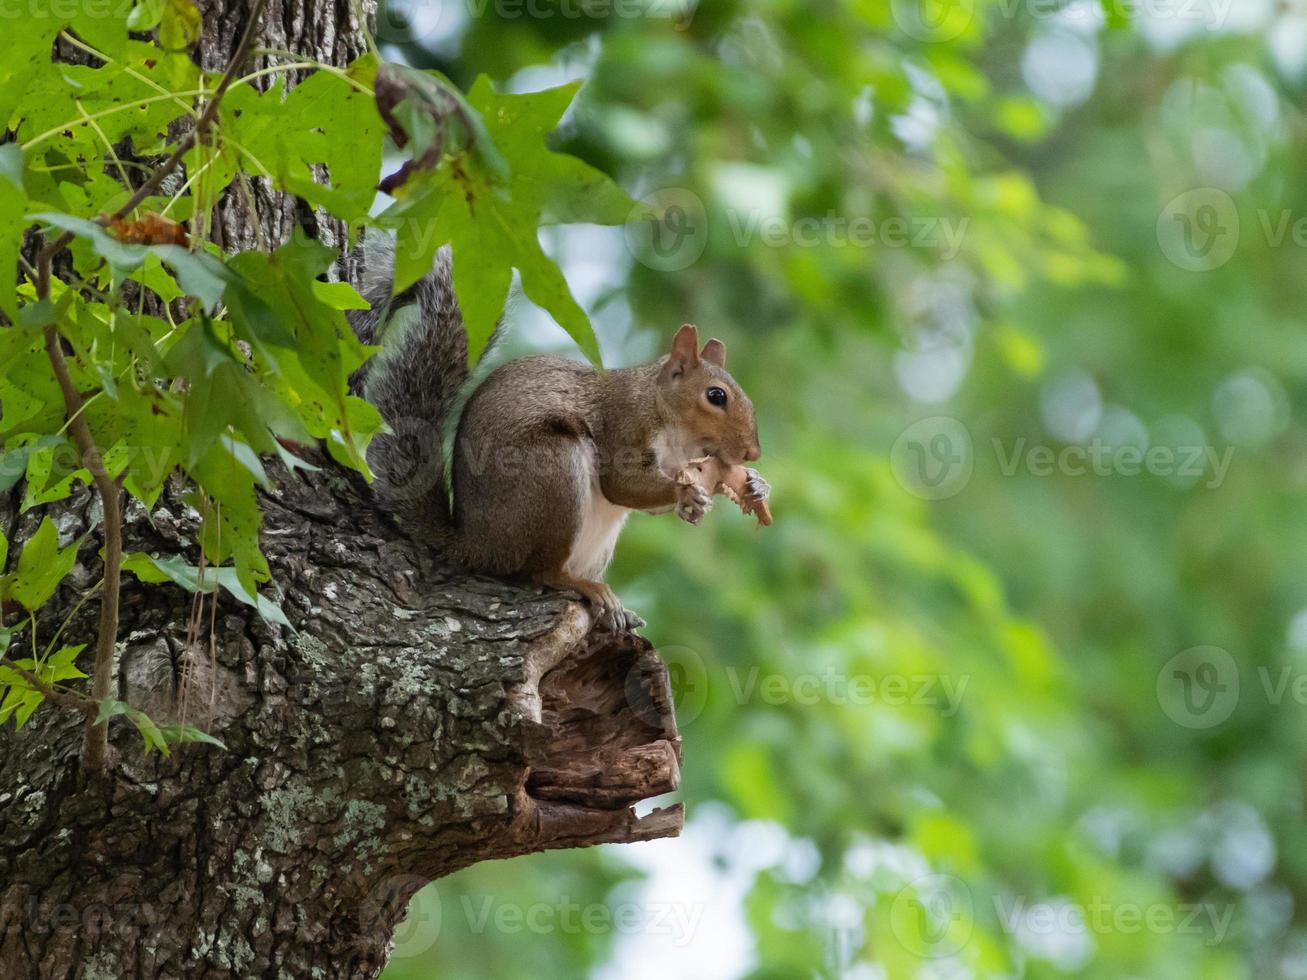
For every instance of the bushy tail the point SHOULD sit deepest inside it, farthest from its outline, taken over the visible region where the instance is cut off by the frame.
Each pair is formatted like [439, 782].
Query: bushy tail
[414, 382]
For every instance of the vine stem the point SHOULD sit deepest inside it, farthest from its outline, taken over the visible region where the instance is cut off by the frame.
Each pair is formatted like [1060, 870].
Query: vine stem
[95, 747]
[65, 699]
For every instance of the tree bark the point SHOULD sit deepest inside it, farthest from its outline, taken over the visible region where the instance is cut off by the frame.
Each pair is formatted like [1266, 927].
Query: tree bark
[411, 722]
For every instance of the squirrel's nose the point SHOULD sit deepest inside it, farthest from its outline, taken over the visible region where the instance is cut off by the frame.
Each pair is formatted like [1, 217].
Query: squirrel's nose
[753, 454]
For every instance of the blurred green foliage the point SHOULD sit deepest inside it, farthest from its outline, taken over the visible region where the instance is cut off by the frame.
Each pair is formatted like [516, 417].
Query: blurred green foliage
[1046, 724]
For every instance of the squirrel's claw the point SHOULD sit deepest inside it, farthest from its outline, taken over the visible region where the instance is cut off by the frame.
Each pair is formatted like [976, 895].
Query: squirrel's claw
[755, 487]
[608, 610]
[693, 502]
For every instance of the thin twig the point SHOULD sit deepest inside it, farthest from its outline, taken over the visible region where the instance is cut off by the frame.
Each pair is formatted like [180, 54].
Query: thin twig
[95, 750]
[63, 699]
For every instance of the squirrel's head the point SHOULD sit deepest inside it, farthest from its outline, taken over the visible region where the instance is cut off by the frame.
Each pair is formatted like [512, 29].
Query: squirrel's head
[705, 401]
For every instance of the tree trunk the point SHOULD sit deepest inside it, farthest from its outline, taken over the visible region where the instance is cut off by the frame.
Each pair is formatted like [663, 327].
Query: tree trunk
[412, 721]
[326, 30]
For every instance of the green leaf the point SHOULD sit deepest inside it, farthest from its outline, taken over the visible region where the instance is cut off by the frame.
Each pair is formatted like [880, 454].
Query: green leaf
[343, 132]
[493, 222]
[150, 732]
[176, 570]
[340, 295]
[180, 27]
[61, 665]
[293, 462]
[128, 99]
[307, 346]
[20, 702]
[1118, 14]
[27, 51]
[188, 734]
[12, 466]
[145, 16]
[41, 567]
[109, 708]
[13, 206]
[156, 736]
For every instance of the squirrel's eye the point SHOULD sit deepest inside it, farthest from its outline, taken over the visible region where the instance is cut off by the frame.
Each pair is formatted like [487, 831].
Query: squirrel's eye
[716, 396]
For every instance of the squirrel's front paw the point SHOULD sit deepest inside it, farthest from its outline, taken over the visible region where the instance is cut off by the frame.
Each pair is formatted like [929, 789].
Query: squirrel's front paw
[755, 487]
[692, 502]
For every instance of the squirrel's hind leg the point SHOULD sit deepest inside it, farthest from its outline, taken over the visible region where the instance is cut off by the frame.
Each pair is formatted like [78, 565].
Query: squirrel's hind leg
[608, 609]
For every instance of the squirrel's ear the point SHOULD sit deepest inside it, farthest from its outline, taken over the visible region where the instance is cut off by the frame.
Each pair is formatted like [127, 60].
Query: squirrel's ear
[685, 350]
[714, 352]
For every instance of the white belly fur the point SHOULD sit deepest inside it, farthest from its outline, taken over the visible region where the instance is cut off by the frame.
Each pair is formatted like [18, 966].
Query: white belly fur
[601, 523]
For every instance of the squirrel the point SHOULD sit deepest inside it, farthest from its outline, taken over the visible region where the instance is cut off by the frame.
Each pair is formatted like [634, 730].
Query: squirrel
[550, 455]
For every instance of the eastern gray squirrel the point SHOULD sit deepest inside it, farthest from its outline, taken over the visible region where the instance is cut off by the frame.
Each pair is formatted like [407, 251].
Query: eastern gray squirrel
[550, 455]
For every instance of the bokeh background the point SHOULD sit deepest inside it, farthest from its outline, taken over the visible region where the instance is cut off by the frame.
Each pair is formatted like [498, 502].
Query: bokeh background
[1016, 686]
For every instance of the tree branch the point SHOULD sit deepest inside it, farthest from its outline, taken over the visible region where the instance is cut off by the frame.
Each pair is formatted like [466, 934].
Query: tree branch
[414, 721]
